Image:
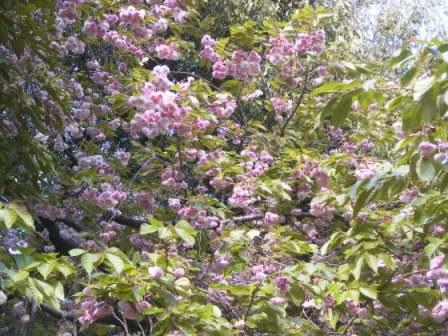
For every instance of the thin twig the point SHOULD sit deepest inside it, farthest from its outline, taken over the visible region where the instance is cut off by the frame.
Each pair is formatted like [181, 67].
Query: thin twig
[299, 102]
[125, 328]
[251, 302]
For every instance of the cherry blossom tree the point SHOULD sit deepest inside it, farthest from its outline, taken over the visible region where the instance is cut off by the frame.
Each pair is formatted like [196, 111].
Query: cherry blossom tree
[160, 177]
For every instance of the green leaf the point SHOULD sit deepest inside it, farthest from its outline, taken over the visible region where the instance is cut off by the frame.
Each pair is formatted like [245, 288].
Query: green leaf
[116, 262]
[18, 45]
[433, 246]
[87, 261]
[76, 252]
[153, 226]
[332, 317]
[46, 268]
[400, 57]
[333, 87]
[370, 292]
[372, 261]
[426, 170]
[335, 237]
[296, 294]
[33, 293]
[339, 107]
[19, 276]
[358, 268]
[185, 231]
[4, 33]
[8, 216]
[422, 86]
[361, 201]
[59, 291]
[65, 270]
[409, 76]
[23, 213]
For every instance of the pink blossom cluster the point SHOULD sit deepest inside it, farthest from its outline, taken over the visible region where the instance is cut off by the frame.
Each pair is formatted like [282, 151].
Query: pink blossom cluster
[322, 211]
[122, 156]
[74, 45]
[81, 111]
[101, 77]
[283, 53]
[272, 218]
[174, 179]
[204, 157]
[260, 272]
[408, 195]
[427, 149]
[198, 217]
[314, 42]
[440, 311]
[281, 106]
[281, 50]
[169, 7]
[90, 161]
[254, 163]
[242, 196]
[107, 197]
[242, 65]
[93, 29]
[109, 230]
[167, 51]
[67, 9]
[93, 310]
[132, 16]
[145, 200]
[336, 134]
[49, 211]
[141, 242]
[355, 309]
[282, 283]
[309, 170]
[223, 106]
[221, 183]
[123, 42]
[207, 51]
[365, 171]
[437, 273]
[162, 112]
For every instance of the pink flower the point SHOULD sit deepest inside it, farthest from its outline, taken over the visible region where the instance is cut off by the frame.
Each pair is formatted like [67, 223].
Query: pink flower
[174, 203]
[426, 149]
[207, 41]
[220, 70]
[441, 157]
[240, 324]
[179, 272]
[436, 262]
[356, 106]
[155, 272]
[167, 52]
[277, 300]
[272, 218]
[440, 311]
[282, 283]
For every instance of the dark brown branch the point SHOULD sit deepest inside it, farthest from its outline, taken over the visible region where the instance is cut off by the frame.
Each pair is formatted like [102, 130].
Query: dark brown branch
[61, 315]
[133, 222]
[241, 219]
[299, 102]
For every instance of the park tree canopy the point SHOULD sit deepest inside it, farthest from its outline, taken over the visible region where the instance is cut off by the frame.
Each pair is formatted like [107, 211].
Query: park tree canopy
[193, 167]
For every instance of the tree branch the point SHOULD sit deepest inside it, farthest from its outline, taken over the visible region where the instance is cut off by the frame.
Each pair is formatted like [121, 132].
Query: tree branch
[299, 102]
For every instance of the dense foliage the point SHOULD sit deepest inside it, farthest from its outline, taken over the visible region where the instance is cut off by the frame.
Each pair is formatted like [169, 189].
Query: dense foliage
[171, 170]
